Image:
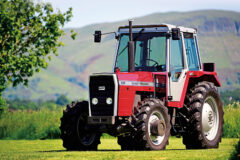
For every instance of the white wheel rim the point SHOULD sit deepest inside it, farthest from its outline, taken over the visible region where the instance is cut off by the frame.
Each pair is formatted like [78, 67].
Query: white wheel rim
[156, 115]
[210, 118]
[87, 139]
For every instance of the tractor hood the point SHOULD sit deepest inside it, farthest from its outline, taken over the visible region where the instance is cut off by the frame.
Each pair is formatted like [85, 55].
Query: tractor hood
[135, 78]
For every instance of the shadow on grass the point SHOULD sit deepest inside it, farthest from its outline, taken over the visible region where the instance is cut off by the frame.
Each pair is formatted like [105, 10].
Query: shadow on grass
[111, 150]
[103, 150]
[53, 151]
[236, 154]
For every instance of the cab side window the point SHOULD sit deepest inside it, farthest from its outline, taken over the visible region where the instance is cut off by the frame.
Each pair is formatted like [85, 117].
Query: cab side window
[176, 59]
[191, 51]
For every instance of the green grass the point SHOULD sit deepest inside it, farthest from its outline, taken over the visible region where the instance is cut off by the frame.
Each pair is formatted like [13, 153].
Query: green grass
[109, 149]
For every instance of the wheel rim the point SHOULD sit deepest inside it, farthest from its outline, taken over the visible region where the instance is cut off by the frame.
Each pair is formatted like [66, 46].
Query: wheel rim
[210, 118]
[156, 115]
[86, 138]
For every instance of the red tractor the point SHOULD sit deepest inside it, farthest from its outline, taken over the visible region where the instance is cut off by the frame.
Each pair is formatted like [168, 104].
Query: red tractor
[158, 87]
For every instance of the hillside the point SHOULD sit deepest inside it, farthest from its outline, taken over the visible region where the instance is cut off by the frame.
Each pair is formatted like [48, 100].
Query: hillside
[219, 42]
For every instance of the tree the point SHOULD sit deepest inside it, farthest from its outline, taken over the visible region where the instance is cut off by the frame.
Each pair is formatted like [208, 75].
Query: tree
[62, 100]
[3, 106]
[29, 36]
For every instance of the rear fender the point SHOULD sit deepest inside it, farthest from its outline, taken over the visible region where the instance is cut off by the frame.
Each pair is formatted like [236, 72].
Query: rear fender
[211, 78]
[198, 76]
[192, 78]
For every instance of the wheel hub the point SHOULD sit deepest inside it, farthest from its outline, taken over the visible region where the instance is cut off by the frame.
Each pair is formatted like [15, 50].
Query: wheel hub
[158, 128]
[208, 117]
[85, 136]
[87, 139]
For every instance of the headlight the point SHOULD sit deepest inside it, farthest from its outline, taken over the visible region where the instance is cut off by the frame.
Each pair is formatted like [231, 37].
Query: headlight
[94, 101]
[109, 100]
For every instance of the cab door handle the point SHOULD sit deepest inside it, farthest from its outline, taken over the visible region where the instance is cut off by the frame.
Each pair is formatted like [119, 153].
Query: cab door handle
[185, 74]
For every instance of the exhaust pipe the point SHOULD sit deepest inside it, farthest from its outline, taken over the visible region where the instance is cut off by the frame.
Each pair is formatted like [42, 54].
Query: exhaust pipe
[131, 64]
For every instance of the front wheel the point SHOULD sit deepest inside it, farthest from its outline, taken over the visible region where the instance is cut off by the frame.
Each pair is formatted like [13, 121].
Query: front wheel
[153, 126]
[205, 113]
[126, 142]
[74, 128]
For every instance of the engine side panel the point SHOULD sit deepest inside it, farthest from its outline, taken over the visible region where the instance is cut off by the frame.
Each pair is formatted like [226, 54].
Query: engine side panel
[129, 84]
[126, 100]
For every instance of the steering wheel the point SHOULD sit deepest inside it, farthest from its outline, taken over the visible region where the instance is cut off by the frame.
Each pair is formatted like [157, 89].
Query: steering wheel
[155, 62]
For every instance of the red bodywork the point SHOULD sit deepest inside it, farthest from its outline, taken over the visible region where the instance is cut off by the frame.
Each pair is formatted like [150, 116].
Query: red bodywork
[127, 92]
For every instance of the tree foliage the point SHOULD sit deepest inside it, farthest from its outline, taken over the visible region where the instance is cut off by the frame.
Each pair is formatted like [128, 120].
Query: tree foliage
[229, 97]
[3, 106]
[27, 104]
[29, 36]
[62, 100]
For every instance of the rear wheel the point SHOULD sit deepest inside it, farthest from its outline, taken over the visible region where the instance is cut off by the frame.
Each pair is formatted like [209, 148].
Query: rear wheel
[153, 126]
[205, 114]
[74, 129]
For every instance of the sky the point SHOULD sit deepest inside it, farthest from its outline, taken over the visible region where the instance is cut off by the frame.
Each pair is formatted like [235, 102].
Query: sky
[87, 12]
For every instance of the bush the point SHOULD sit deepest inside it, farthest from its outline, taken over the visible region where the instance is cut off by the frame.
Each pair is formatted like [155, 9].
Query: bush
[42, 124]
[229, 97]
[26, 104]
[231, 127]
[3, 106]
[62, 100]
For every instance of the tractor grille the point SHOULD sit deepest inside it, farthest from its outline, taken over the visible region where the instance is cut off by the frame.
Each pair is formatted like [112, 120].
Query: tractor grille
[102, 87]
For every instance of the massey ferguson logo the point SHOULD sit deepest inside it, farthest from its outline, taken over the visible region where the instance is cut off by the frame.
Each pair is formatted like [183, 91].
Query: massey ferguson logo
[101, 88]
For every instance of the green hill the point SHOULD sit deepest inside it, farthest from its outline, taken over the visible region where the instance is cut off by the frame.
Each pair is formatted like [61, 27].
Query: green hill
[219, 42]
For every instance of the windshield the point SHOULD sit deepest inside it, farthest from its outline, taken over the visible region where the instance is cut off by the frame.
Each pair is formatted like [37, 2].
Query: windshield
[150, 52]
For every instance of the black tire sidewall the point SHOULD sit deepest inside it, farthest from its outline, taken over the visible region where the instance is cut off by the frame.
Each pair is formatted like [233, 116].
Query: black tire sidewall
[81, 124]
[70, 124]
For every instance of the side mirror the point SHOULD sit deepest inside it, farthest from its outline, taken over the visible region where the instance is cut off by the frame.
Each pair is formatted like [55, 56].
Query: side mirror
[97, 36]
[176, 34]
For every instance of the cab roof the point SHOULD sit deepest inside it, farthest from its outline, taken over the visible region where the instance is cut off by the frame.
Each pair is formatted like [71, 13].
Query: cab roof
[157, 28]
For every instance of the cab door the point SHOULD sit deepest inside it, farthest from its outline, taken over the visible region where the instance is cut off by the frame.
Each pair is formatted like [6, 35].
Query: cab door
[177, 69]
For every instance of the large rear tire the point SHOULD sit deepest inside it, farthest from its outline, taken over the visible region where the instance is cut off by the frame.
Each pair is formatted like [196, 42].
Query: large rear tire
[152, 112]
[74, 128]
[205, 114]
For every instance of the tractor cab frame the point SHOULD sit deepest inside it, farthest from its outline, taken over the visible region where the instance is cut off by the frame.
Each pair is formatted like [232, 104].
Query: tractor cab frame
[164, 66]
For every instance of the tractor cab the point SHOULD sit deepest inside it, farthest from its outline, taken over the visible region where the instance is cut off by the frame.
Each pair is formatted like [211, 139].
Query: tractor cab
[163, 50]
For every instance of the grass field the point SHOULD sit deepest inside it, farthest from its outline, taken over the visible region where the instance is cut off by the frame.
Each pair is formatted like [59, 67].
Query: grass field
[109, 149]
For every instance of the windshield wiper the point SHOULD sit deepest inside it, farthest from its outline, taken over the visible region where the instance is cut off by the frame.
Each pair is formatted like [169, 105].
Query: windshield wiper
[139, 34]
